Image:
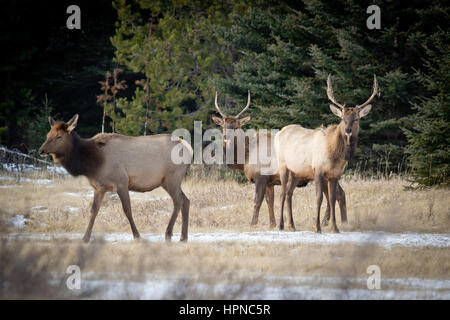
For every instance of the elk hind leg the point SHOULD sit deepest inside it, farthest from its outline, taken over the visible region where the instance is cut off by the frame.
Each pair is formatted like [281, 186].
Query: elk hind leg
[292, 184]
[270, 198]
[340, 197]
[332, 200]
[260, 189]
[179, 200]
[284, 180]
[319, 197]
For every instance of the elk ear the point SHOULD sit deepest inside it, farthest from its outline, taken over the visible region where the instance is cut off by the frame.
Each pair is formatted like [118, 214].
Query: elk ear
[336, 110]
[244, 121]
[51, 121]
[364, 111]
[218, 121]
[72, 123]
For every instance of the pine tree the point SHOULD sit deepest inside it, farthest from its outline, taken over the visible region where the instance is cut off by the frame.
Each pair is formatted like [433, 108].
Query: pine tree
[428, 132]
[177, 51]
[284, 53]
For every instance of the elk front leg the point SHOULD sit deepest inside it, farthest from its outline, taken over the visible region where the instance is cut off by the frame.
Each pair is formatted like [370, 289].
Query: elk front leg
[260, 189]
[340, 197]
[292, 184]
[270, 198]
[326, 217]
[126, 205]
[332, 201]
[98, 199]
[319, 198]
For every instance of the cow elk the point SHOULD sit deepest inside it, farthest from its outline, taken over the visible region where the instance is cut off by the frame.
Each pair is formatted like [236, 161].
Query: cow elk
[264, 184]
[117, 163]
[321, 154]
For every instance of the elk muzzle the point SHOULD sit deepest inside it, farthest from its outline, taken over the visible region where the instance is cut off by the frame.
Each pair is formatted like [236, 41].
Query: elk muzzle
[348, 137]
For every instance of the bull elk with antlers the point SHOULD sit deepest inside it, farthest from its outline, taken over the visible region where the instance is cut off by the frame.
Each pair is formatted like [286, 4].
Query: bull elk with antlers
[113, 162]
[264, 184]
[321, 154]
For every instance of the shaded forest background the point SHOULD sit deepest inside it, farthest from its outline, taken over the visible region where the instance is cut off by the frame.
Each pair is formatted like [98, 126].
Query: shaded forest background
[162, 61]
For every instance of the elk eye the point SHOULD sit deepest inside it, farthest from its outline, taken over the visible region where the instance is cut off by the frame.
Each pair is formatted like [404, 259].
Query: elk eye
[58, 137]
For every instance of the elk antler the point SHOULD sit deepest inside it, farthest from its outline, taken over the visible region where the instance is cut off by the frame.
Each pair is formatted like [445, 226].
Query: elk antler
[330, 93]
[246, 107]
[237, 116]
[374, 93]
[218, 109]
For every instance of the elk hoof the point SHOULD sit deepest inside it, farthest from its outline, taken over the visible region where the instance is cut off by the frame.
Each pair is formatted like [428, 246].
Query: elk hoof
[183, 239]
[168, 237]
[86, 239]
[334, 230]
[137, 236]
[272, 225]
[281, 227]
[292, 228]
[317, 229]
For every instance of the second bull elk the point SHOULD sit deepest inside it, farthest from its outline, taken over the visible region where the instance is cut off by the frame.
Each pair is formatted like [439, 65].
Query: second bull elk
[113, 162]
[264, 184]
[321, 154]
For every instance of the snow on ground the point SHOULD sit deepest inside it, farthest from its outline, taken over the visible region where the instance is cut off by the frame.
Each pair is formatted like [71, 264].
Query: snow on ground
[157, 287]
[71, 209]
[13, 167]
[133, 195]
[383, 239]
[21, 180]
[40, 209]
[212, 209]
[18, 221]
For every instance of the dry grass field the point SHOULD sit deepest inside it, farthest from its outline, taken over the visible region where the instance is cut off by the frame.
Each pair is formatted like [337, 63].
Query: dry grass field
[42, 220]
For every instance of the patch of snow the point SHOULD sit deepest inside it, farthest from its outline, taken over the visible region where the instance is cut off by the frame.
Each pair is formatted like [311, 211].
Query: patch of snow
[71, 209]
[38, 181]
[19, 180]
[80, 195]
[160, 287]
[211, 209]
[7, 178]
[384, 239]
[163, 212]
[12, 167]
[40, 209]
[146, 196]
[18, 221]
[7, 186]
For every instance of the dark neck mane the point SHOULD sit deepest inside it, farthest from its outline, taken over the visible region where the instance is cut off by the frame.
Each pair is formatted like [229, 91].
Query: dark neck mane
[338, 148]
[83, 158]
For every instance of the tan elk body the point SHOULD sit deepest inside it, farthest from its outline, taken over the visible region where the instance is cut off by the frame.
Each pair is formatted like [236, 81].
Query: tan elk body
[321, 154]
[117, 163]
[264, 183]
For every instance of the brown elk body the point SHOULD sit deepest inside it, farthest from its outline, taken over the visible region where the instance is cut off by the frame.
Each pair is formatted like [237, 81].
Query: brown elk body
[264, 184]
[320, 155]
[117, 163]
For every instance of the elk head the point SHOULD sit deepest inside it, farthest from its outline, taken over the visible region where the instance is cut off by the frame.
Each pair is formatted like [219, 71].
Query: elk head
[59, 140]
[349, 125]
[231, 122]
